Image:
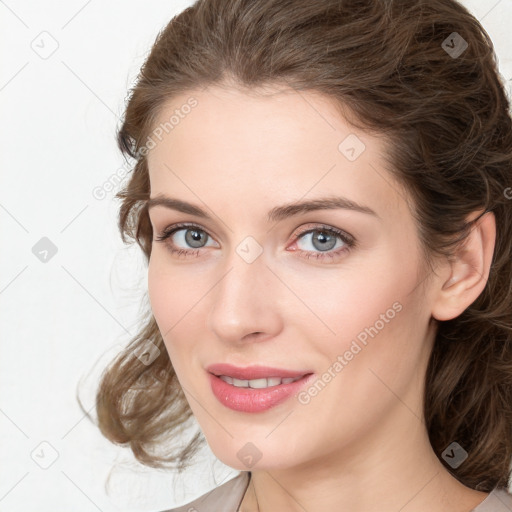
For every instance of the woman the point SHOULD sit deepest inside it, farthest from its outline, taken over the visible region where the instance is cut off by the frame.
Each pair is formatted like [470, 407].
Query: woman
[320, 189]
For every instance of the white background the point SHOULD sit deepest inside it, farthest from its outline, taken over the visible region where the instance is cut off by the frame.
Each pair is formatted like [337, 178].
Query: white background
[63, 319]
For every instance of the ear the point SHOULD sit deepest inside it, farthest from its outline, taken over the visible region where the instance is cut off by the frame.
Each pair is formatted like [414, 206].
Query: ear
[464, 276]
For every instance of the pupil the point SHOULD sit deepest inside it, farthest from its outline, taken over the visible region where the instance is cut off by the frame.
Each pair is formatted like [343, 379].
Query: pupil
[193, 237]
[327, 241]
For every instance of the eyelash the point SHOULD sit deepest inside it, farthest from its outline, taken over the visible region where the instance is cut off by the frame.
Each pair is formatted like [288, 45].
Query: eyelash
[348, 240]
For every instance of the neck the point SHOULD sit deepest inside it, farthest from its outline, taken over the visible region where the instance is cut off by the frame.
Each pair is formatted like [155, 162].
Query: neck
[390, 470]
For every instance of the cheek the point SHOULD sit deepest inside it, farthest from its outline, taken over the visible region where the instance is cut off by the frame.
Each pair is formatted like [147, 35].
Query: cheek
[344, 301]
[177, 299]
[382, 350]
[375, 311]
[160, 292]
[170, 287]
[169, 295]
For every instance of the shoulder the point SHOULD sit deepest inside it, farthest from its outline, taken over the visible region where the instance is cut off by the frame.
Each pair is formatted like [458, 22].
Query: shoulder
[225, 497]
[499, 500]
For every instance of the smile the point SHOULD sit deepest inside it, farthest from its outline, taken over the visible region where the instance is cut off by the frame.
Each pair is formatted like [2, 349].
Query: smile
[258, 383]
[258, 393]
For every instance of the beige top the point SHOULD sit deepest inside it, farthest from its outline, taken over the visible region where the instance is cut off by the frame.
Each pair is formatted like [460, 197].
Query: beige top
[228, 496]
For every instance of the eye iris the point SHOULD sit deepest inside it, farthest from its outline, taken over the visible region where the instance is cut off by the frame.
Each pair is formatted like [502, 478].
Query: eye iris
[322, 240]
[195, 238]
[326, 241]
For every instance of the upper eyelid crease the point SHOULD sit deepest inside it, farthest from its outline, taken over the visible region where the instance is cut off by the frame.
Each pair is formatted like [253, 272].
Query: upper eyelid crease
[317, 227]
[350, 242]
[276, 214]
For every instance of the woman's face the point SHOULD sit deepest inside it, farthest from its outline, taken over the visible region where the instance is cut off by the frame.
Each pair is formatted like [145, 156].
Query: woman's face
[345, 304]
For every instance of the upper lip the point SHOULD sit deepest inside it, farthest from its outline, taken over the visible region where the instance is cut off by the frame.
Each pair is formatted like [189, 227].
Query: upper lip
[253, 372]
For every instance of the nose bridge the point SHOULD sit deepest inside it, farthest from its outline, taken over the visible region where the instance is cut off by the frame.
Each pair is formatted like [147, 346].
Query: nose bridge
[242, 299]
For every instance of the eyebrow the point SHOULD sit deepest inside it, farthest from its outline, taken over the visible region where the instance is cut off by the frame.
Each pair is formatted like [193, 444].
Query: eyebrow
[275, 214]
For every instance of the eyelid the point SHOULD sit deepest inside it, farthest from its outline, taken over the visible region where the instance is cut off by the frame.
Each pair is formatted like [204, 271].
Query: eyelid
[178, 226]
[324, 227]
[311, 226]
[349, 240]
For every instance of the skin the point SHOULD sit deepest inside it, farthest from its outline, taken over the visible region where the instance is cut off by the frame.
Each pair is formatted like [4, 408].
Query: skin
[239, 154]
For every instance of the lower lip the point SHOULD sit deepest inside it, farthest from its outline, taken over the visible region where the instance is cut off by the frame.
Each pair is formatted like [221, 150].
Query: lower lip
[254, 400]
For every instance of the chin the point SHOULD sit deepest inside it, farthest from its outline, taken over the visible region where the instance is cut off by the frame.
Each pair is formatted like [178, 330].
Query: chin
[246, 455]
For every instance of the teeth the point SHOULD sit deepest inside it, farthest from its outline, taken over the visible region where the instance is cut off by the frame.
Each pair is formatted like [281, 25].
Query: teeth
[258, 383]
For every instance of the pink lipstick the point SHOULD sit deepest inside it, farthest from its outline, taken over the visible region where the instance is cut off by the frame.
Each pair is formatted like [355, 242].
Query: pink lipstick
[255, 388]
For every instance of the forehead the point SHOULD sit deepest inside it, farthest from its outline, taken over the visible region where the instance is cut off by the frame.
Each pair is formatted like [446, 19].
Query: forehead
[245, 121]
[258, 146]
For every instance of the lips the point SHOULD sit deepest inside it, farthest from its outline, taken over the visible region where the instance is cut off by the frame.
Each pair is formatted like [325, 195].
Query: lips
[256, 388]
[254, 372]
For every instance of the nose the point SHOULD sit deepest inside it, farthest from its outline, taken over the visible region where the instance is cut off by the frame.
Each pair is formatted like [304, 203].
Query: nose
[245, 303]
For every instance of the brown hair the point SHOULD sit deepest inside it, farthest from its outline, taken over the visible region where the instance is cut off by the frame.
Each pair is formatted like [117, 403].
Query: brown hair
[447, 118]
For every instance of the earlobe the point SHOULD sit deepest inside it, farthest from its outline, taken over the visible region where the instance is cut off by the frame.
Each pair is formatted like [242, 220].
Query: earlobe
[467, 272]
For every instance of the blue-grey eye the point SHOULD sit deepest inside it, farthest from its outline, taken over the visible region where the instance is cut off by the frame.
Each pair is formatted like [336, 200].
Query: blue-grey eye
[194, 238]
[321, 240]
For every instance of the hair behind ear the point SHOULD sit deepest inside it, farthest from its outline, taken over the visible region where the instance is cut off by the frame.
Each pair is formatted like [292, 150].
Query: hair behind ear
[467, 270]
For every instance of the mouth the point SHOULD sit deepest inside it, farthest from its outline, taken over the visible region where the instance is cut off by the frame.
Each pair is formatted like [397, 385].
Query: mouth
[256, 372]
[258, 383]
[256, 388]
